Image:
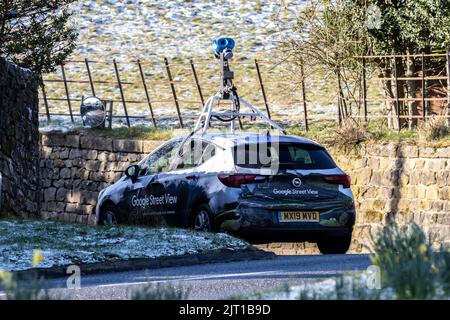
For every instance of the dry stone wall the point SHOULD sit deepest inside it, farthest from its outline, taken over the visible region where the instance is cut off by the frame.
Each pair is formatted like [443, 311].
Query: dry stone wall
[19, 141]
[75, 167]
[391, 180]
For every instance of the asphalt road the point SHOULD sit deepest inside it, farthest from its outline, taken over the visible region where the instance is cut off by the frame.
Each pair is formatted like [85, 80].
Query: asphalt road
[216, 281]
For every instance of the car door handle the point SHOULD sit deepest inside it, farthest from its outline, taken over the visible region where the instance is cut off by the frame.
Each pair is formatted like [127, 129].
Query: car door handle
[191, 177]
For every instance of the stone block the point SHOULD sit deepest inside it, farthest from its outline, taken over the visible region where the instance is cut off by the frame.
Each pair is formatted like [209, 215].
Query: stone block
[123, 145]
[65, 173]
[96, 143]
[61, 194]
[49, 194]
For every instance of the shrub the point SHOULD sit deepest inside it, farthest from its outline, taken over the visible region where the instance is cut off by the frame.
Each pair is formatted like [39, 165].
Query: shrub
[434, 129]
[350, 133]
[159, 292]
[29, 287]
[405, 259]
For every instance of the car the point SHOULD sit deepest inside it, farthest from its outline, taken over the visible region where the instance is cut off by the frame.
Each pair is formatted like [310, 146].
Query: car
[258, 186]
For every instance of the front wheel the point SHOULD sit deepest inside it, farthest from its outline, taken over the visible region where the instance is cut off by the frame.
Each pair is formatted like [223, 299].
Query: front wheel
[335, 245]
[109, 215]
[202, 219]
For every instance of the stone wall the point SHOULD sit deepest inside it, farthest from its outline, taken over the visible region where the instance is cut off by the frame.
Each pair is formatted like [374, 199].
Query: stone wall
[388, 180]
[393, 180]
[75, 167]
[19, 141]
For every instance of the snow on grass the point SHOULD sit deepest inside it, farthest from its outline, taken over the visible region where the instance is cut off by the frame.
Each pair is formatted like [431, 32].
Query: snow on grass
[345, 287]
[65, 244]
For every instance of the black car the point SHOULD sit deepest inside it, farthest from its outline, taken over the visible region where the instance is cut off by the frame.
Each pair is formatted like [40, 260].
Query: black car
[258, 186]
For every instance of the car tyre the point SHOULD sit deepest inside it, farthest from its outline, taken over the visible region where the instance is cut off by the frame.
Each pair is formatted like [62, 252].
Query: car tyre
[334, 245]
[202, 219]
[110, 215]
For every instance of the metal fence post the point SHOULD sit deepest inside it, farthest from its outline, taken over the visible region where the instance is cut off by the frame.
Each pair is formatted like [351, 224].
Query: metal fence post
[397, 92]
[448, 85]
[340, 113]
[44, 94]
[66, 87]
[263, 91]
[116, 69]
[305, 112]
[110, 114]
[199, 88]
[172, 87]
[90, 76]
[423, 89]
[364, 88]
[146, 92]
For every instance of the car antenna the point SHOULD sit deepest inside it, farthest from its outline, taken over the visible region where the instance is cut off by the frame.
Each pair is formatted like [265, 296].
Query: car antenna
[223, 51]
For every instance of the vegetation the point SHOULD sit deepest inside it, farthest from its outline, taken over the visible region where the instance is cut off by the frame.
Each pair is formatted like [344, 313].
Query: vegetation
[434, 129]
[406, 268]
[36, 34]
[330, 34]
[159, 291]
[406, 262]
[28, 287]
[138, 132]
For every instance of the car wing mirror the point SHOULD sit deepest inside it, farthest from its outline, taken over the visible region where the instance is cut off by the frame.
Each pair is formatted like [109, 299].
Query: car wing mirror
[132, 172]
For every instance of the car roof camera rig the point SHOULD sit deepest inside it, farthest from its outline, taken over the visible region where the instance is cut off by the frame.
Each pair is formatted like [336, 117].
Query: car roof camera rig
[223, 51]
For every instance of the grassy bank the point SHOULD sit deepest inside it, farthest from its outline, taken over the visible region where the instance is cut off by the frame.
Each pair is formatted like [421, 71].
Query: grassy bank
[324, 132]
[64, 243]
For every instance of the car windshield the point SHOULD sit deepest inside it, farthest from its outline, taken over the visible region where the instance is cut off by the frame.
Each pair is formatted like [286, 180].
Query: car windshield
[284, 155]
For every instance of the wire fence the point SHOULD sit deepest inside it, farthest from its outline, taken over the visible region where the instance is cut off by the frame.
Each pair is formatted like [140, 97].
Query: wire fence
[176, 90]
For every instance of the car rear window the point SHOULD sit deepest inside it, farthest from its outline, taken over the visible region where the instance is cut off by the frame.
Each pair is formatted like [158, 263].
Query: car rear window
[284, 155]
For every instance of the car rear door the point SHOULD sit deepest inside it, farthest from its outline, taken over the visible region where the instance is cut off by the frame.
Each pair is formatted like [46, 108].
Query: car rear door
[180, 182]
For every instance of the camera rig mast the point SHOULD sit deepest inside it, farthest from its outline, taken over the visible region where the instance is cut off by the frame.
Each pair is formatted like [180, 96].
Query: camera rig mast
[223, 51]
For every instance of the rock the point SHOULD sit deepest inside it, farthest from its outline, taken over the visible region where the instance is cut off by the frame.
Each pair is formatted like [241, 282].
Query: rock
[49, 194]
[127, 146]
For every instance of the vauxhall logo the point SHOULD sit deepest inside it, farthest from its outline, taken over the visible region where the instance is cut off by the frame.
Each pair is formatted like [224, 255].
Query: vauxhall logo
[296, 182]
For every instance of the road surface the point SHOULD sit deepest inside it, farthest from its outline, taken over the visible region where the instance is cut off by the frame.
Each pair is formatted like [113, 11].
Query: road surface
[216, 281]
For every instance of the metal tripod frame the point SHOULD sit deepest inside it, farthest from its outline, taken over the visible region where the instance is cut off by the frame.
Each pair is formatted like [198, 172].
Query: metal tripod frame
[207, 113]
[229, 92]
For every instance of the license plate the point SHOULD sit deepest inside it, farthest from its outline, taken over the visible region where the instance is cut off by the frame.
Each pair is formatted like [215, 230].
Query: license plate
[298, 216]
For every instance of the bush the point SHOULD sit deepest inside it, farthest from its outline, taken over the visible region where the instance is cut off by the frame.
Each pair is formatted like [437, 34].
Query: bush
[159, 292]
[406, 261]
[434, 129]
[29, 287]
[350, 133]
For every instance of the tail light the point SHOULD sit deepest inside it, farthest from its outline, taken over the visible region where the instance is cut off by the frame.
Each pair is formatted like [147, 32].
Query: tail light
[235, 180]
[339, 179]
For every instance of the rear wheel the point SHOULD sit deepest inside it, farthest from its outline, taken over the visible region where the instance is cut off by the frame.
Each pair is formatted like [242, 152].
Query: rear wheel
[335, 245]
[109, 215]
[202, 219]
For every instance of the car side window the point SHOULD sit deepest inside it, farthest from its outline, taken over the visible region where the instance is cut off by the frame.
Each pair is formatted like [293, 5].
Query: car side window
[193, 153]
[160, 160]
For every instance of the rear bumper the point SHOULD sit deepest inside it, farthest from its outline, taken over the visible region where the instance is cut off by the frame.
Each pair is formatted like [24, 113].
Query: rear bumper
[254, 221]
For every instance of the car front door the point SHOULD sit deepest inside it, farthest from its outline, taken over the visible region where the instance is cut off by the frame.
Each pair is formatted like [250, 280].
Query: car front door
[146, 198]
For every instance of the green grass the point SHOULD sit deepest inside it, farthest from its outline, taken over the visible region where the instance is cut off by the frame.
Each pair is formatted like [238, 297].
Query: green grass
[322, 131]
[137, 132]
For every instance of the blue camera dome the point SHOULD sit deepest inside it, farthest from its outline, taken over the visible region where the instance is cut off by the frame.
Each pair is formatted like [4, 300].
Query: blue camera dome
[223, 43]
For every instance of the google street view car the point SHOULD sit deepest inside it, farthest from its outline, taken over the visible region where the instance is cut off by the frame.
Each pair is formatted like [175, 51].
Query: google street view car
[260, 186]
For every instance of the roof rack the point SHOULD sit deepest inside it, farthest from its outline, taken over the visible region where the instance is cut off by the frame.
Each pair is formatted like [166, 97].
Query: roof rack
[223, 51]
